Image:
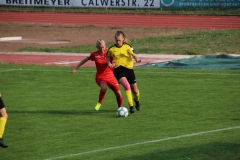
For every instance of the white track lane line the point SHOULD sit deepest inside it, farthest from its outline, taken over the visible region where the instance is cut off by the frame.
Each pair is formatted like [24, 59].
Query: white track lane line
[145, 142]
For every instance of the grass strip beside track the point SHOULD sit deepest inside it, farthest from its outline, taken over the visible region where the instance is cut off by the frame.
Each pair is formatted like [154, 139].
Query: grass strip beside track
[197, 43]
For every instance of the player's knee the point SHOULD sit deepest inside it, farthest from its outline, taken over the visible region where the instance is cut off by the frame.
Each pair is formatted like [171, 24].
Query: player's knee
[126, 85]
[5, 115]
[104, 89]
[118, 95]
[135, 91]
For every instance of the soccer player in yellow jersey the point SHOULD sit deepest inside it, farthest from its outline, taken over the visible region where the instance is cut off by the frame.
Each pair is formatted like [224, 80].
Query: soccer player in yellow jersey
[3, 120]
[123, 56]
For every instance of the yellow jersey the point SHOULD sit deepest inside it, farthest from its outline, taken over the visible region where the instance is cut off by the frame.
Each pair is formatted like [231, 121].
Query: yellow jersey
[122, 56]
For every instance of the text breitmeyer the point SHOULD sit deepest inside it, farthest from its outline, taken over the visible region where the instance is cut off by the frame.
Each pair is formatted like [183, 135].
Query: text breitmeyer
[86, 3]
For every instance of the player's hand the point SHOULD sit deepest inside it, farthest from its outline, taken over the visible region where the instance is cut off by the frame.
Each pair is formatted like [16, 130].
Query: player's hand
[139, 61]
[73, 70]
[111, 65]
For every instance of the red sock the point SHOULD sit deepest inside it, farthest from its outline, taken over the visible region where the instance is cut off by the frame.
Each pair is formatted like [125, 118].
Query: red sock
[101, 96]
[119, 101]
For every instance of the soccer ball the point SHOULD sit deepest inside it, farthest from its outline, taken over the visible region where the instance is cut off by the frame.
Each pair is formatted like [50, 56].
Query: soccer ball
[122, 112]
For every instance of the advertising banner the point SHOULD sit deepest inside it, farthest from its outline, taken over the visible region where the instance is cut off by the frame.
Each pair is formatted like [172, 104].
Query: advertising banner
[85, 3]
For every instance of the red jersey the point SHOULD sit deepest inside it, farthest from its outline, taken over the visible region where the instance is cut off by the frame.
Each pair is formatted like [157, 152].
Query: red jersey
[103, 71]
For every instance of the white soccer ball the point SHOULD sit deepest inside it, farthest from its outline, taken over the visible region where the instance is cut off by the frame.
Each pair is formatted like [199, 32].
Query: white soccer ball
[122, 112]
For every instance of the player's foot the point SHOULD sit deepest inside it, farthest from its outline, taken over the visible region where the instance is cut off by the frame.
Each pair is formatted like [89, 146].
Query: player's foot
[137, 105]
[3, 145]
[131, 110]
[97, 107]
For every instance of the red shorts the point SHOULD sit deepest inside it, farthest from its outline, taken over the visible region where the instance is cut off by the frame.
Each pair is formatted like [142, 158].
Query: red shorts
[110, 81]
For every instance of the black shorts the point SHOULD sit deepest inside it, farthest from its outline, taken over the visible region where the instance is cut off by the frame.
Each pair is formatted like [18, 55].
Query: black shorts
[1, 103]
[121, 71]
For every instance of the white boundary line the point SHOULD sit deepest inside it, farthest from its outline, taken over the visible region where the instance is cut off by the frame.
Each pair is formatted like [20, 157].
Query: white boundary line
[145, 142]
[10, 70]
[82, 70]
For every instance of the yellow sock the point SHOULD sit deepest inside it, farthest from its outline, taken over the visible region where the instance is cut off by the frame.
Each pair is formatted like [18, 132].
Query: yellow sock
[3, 121]
[137, 96]
[129, 97]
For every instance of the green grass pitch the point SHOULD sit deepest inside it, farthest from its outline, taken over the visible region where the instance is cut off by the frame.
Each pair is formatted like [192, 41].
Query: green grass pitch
[185, 115]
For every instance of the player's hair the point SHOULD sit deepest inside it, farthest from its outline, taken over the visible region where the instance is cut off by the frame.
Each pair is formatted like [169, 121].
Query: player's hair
[120, 33]
[100, 42]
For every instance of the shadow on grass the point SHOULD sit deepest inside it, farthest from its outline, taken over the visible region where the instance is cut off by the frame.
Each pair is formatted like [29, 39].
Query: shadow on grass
[211, 151]
[108, 113]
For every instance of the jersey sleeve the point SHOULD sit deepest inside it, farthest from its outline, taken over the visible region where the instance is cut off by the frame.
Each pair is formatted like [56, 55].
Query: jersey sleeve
[91, 57]
[130, 49]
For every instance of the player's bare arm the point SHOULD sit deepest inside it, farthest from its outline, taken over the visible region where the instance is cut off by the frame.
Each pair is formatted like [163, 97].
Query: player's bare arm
[111, 65]
[135, 57]
[81, 63]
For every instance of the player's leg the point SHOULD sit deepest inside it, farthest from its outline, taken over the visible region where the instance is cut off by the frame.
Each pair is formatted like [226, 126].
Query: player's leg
[133, 83]
[119, 98]
[3, 121]
[136, 95]
[102, 93]
[119, 73]
[113, 85]
[123, 81]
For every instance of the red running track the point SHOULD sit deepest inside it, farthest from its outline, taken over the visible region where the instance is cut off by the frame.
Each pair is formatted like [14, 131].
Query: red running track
[44, 59]
[55, 59]
[130, 20]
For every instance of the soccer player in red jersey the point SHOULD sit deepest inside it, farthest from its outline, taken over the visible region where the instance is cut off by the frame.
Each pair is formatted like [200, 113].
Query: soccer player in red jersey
[104, 75]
